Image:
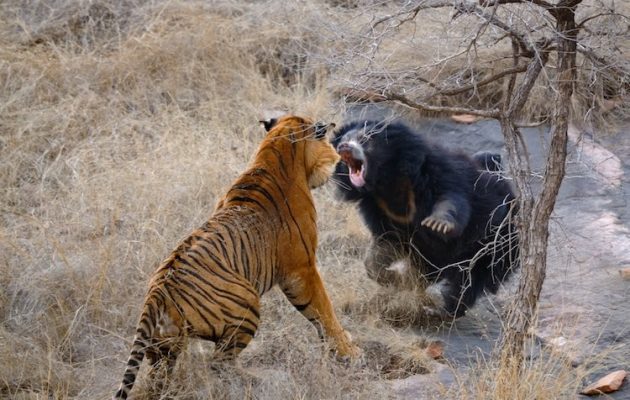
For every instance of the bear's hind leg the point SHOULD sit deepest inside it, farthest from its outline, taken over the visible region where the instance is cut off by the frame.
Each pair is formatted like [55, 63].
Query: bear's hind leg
[488, 161]
[456, 293]
[389, 264]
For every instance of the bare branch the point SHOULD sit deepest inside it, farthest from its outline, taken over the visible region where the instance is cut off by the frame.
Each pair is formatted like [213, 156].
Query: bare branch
[555, 167]
[525, 46]
[568, 4]
[533, 124]
[360, 95]
[493, 113]
[490, 3]
[563, 8]
[518, 158]
[512, 82]
[415, 10]
[522, 93]
[534, 221]
[580, 25]
[475, 85]
[602, 62]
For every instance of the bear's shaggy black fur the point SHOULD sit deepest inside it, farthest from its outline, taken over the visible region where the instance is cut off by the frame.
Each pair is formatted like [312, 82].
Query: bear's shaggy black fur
[444, 212]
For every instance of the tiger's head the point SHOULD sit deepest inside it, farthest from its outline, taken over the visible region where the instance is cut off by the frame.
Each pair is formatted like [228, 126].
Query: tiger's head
[308, 145]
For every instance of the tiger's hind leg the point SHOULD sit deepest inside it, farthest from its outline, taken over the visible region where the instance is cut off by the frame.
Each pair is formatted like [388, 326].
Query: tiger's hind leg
[235, 339]
[241, 320]
[162, 357]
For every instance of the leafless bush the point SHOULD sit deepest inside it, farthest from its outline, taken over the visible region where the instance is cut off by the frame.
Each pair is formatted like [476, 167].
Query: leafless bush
[431, 55]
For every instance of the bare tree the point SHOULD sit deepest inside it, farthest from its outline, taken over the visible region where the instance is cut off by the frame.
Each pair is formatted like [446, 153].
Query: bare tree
[510, 56]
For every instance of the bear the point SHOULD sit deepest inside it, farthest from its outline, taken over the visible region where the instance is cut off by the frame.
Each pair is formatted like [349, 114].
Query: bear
[437, 216]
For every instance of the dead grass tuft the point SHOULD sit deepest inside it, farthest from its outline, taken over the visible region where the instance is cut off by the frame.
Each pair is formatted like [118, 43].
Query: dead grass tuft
[544, 375]
[398, 308]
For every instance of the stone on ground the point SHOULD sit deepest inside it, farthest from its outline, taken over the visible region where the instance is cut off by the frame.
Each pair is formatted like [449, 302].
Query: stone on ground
[608, 384]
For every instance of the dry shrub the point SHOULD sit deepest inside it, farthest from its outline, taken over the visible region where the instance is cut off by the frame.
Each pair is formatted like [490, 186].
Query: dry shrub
[444, 49]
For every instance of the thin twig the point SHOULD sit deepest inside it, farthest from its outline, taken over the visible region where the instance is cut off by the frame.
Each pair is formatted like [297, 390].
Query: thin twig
[475, 85]
[414, 11]
[580, 25]
[601, 61]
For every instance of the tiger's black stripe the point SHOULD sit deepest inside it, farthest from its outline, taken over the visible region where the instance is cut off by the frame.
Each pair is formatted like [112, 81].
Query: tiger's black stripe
[270, 177]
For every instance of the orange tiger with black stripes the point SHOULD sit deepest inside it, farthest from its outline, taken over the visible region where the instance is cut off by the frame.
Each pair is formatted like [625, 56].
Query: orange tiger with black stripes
[262, 233]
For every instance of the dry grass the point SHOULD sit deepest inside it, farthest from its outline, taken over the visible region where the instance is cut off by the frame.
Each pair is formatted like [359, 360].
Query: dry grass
[551, 374]
[121, 123]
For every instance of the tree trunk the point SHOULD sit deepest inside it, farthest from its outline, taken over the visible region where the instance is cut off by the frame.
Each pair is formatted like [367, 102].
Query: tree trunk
[534, 216]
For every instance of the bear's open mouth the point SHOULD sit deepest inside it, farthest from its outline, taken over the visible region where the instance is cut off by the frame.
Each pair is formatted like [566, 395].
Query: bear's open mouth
[356, 166]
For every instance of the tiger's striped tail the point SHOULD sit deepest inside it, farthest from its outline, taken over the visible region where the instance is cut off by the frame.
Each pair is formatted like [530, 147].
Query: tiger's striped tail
[141, 342]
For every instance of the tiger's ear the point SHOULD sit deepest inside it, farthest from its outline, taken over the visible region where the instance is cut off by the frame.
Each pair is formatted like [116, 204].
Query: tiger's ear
[321, 129]
[268, 124]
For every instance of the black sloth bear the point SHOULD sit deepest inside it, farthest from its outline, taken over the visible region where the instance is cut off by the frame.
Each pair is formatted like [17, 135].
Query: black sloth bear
[446, 214]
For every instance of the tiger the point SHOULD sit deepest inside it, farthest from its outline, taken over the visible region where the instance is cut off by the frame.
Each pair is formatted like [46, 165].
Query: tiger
[262, 233]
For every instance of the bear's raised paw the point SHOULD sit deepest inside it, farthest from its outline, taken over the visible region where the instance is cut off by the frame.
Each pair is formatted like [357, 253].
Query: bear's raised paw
[438, 225]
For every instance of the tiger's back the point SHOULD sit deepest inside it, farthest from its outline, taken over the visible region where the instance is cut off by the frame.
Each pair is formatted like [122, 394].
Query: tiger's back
[262, 233]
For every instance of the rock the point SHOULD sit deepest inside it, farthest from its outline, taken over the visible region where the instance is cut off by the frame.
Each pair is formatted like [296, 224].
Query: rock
[424, 386]
[558, 341]
[611, 104]
[607, 384]
[435, 350]
[625, 273]
[465, 118]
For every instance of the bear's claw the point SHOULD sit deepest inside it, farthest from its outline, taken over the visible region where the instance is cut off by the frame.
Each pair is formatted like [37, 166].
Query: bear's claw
[438, 225]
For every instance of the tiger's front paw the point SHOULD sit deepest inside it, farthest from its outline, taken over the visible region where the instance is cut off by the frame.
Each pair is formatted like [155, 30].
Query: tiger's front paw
[347, 351]
[440, 224]
[354, 358]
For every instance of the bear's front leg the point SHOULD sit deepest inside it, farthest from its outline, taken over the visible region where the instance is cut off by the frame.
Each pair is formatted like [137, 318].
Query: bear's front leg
[449, 215]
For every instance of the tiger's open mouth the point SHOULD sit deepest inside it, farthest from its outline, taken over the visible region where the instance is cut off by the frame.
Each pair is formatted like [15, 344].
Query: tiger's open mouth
[352, 155]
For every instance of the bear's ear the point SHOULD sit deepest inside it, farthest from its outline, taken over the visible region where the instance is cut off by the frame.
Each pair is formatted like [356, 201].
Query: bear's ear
[321, 129]
[336, 135]
[268, 124]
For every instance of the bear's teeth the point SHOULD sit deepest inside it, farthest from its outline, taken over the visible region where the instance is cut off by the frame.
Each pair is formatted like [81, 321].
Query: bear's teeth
[356, 177]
